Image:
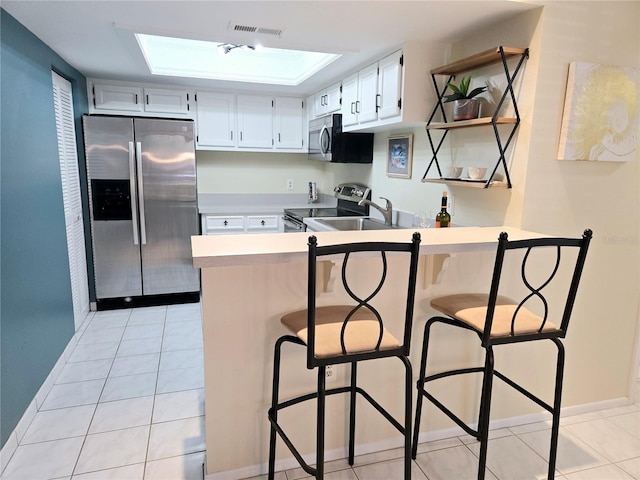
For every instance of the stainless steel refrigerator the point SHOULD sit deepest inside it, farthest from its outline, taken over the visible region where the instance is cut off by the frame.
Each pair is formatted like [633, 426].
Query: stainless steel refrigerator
[143, 207]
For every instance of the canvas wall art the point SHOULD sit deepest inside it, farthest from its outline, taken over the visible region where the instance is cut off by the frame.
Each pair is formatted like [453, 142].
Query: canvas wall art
[600, 119]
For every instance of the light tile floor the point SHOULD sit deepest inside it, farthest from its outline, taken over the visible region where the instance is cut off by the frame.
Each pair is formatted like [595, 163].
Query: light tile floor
[129, 404]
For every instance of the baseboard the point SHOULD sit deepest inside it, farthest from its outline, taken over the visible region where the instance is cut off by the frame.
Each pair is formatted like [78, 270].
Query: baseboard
[363, 449]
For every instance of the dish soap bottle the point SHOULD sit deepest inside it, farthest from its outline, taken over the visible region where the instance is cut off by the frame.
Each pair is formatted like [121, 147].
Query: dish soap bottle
[443, 219]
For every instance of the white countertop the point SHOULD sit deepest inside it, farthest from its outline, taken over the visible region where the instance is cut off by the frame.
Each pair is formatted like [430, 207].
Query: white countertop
[255, 203]
[233, 250]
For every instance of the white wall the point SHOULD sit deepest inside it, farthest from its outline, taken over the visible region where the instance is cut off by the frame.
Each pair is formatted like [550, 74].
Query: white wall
[239, 172]
[565, 197]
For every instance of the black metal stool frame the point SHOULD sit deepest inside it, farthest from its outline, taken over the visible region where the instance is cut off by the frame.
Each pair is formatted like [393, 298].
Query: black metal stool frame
[401, 352]
[487, 342]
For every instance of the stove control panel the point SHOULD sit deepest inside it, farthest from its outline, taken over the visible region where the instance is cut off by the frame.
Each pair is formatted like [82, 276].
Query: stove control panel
[353, 192]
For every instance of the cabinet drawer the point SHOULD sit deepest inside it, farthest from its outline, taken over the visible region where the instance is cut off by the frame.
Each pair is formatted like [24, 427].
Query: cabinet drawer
[258, 223]
[229, 224]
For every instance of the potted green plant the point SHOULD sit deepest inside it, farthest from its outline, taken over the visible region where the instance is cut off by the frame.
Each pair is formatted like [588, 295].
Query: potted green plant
[465, 105]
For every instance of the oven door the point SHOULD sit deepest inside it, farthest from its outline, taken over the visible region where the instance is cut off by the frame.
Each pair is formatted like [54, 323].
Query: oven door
[320, 138]
[292, 225]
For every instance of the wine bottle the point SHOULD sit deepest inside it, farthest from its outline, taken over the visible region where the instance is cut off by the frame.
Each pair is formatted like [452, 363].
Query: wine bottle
[443, 219]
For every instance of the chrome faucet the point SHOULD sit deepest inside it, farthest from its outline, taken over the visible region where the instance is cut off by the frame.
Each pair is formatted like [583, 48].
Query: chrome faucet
[387, 212]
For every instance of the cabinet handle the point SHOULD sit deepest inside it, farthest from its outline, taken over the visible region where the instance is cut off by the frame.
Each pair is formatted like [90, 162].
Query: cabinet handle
[240, 136]
[225, 223]
[353, 105]
[147, 99]
[136, 99]
[378, 96]
[262, 223]
[231, 135]
[279, 140]
[358, 106]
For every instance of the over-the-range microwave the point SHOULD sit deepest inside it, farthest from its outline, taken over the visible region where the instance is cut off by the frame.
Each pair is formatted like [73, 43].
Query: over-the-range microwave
[328, 143]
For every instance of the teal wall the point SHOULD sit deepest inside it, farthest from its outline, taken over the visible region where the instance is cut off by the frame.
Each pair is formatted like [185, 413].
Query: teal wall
[36, 313]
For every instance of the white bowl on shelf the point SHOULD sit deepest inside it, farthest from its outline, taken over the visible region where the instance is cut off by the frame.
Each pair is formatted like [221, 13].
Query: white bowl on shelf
[453, 172]
[476, 173]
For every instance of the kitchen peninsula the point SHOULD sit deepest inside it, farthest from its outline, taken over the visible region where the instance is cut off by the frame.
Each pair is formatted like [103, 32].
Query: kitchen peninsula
[248, 282]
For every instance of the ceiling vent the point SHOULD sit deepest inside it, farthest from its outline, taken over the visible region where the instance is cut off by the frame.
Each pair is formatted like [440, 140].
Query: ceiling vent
[237, 27]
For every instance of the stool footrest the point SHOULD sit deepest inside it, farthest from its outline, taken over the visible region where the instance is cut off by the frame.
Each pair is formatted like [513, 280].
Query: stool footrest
[310, 396]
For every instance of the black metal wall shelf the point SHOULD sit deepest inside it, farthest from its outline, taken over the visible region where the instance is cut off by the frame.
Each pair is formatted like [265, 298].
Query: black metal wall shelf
[493, 56]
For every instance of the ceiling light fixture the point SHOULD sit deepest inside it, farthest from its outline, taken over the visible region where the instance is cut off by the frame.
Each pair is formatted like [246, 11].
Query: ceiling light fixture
[225, 48]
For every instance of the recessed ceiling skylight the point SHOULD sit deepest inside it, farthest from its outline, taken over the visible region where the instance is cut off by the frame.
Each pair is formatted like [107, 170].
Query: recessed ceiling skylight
[181, 57]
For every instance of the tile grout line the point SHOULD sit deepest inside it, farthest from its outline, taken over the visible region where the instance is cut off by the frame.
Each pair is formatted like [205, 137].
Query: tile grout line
[84, 440]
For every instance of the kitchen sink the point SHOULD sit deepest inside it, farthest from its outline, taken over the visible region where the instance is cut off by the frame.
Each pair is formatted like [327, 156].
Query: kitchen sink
[355, 224]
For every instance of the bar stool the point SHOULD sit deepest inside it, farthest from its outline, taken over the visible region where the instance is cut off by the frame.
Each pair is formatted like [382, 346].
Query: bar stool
[338, 334]
[499, 320]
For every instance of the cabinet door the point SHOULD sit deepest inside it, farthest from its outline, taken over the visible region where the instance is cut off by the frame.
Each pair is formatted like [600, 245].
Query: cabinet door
[389, 86]
[166, 101]
[288, 121]
[333, 96]
[349, 100]
[255, 121]
[319, 104]
[367, 91]
[216, 115]
[117, 97]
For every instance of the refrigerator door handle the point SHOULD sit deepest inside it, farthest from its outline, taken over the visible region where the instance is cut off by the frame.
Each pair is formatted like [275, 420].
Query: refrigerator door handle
[133, 196]
[143, 229]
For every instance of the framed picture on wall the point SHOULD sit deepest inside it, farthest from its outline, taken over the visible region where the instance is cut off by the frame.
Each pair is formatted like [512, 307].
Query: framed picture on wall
[600, 119]
[399, 156]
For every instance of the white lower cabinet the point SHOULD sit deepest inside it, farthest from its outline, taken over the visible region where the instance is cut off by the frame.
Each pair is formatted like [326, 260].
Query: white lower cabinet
[222, 224]
[263, 223]
[228, 224]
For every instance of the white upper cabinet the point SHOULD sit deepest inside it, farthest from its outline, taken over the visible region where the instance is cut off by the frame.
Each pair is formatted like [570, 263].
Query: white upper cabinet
[288, 123]
[390, 85]
[117, 97]
[367, 93]
[229, 122]
[328, 100]
[373, 93]
[255, 122]
[359, 96]
[166, 101]
[402, 93]
[216, 119]
[350, 100]
[126, 99]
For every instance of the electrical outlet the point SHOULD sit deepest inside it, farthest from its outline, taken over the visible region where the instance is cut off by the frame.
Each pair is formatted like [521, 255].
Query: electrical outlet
[290, 184]
[329, 373]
